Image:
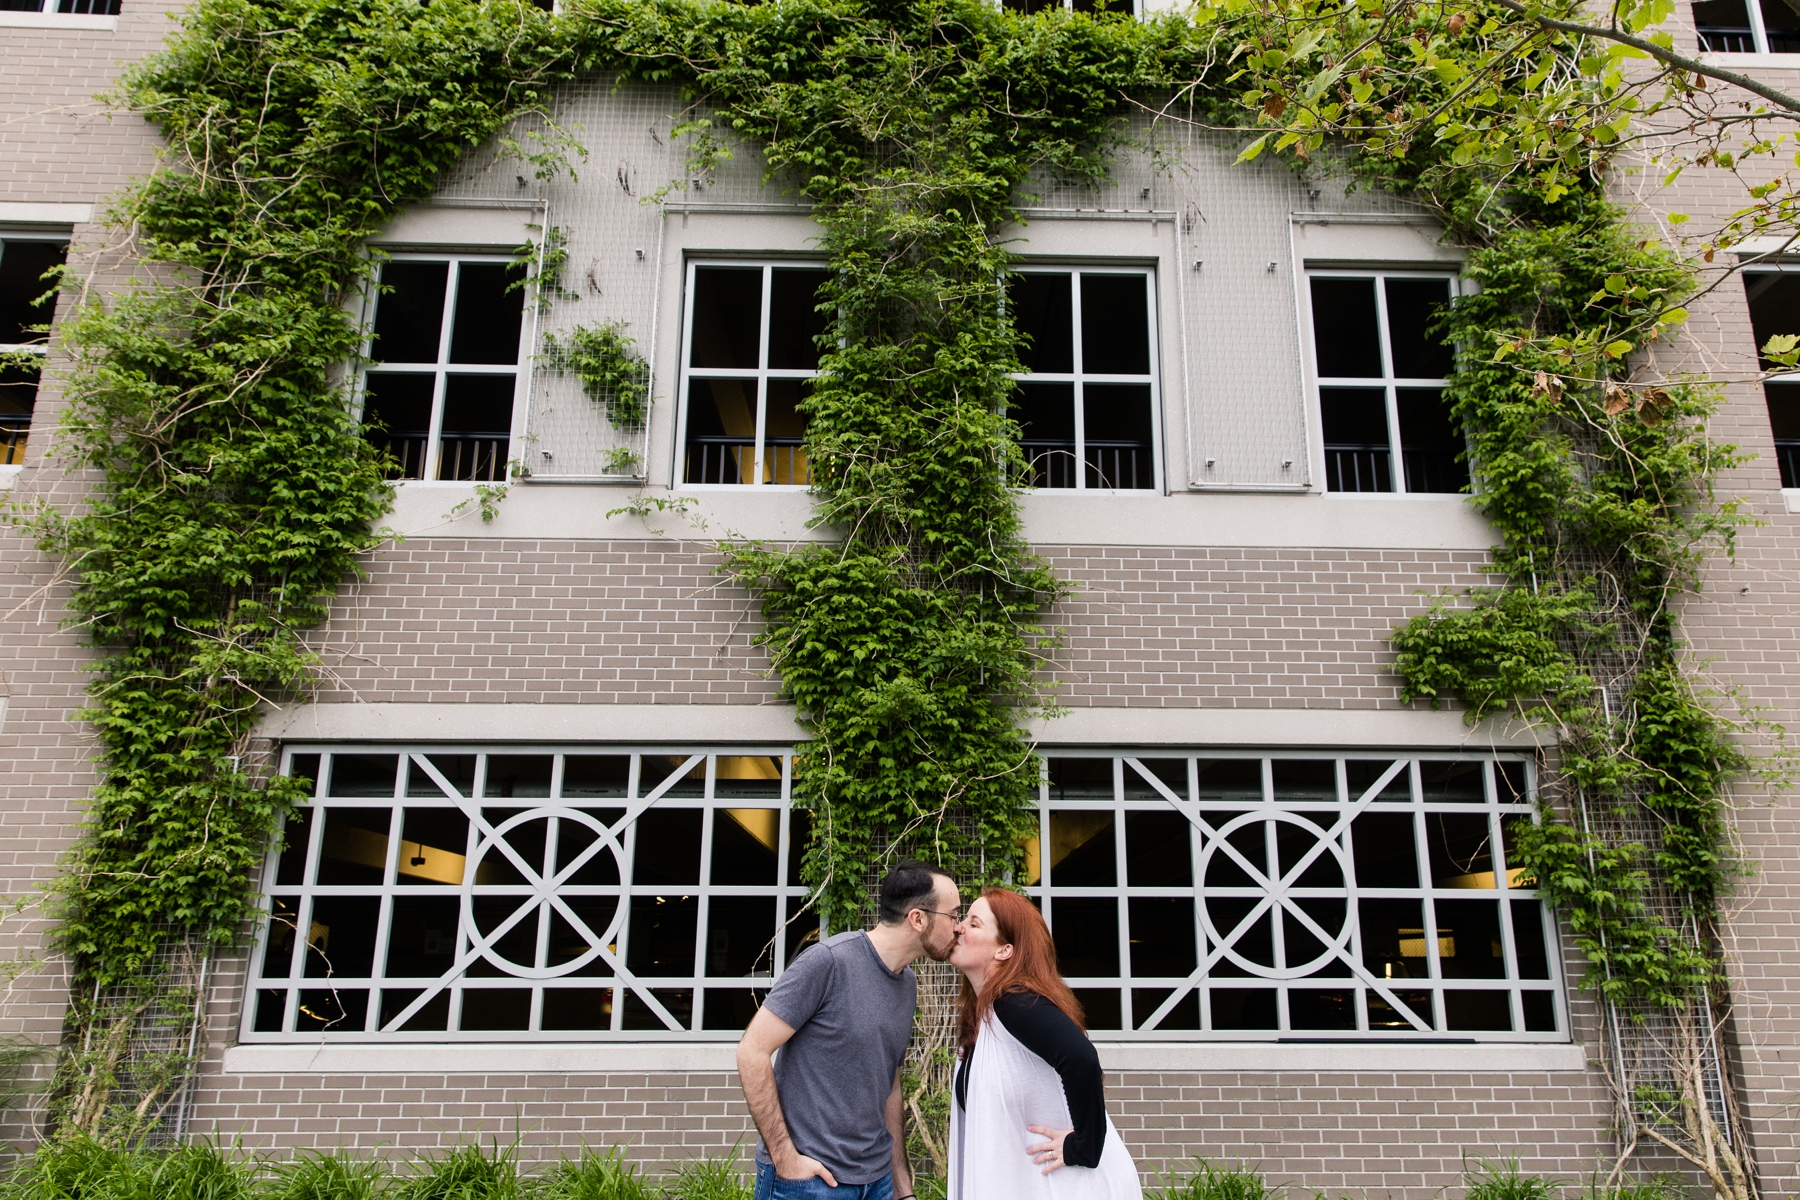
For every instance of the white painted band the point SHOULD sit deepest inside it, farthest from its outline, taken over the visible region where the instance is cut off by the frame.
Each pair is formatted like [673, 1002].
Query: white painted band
[588, 1058]
[21, 212]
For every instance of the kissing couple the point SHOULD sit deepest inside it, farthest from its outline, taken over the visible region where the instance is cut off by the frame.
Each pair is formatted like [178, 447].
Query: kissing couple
[1028, 1110]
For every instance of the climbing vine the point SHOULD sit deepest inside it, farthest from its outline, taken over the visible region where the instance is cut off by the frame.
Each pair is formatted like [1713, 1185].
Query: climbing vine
[236, 496]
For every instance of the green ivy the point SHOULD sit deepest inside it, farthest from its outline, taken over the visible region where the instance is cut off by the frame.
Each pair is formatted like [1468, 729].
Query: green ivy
[612, 373]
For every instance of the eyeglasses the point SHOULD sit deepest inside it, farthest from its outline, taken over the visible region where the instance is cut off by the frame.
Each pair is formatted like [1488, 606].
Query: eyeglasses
[956, 916]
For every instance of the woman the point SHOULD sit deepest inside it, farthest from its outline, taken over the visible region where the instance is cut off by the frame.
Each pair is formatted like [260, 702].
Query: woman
[1028, 1118]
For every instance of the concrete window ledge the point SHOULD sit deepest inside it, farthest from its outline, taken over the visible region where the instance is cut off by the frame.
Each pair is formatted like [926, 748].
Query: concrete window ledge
[54, 20]
[539, 1058]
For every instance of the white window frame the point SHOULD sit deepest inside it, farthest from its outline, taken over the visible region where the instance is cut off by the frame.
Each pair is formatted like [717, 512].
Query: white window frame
[442, 368]
[47, 17]
[763, 372]
[1759, 36]
[1334, 818]
[1079, 378]
[623, 833]
[1389, 382]
[1789, 378]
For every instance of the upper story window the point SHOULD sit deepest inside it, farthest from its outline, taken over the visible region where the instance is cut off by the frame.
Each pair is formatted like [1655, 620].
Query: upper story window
[444, 365]
[448, 893]
[1774, 310]
[1381, 380]
[1747, 26]
[751, 350]
[1080, 6]
[92, 8]
[1087, 405]
[27, 301]
[1256, 898]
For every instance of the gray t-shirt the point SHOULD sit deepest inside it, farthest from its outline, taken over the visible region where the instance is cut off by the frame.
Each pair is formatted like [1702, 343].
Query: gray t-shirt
[852, 1018]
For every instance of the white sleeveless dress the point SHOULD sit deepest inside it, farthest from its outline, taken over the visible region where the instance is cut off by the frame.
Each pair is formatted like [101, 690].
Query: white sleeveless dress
[1011, 1088]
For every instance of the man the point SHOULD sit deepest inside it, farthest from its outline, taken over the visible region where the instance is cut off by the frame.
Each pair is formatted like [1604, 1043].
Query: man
[829, 1111]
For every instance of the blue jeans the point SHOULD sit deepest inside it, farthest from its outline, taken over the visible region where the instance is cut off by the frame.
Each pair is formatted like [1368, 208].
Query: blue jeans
[770, 1186]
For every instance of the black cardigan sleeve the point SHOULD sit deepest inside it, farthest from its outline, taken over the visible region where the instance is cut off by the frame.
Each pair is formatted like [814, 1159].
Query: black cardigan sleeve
[1047, 1032]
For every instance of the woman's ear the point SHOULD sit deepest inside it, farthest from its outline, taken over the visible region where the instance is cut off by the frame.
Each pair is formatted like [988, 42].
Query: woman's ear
[1002, 953]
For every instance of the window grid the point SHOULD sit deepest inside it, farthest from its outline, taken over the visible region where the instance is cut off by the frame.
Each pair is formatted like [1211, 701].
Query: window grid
[1357, 467]
[1110, 456]
[1742, 27]
[421, 453]
[1122, 993]
[23, 259]
[357, 1005]
[1773, 293]
[775, 460]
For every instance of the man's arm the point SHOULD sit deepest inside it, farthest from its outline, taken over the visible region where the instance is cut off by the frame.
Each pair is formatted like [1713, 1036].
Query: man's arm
[896, 1124]
[756, 1073]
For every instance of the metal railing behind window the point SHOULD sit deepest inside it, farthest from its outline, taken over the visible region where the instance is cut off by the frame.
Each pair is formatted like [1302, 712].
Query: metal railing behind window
[1727, 39]
[785, 462]
[479, 457]
[407, 450]
[1121, 465]
[13, 434]
[1350, 468]
[714, 459]
[1433, 470]
[1052, 463]
[1787, 453]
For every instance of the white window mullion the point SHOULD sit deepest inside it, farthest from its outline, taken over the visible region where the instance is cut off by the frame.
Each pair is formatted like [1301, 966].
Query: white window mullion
[1080, 415]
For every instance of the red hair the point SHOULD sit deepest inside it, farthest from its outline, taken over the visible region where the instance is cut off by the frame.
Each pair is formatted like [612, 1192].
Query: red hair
[1032, 967]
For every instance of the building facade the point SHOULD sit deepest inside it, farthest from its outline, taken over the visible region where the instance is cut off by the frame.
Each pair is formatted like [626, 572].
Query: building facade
[550, 865]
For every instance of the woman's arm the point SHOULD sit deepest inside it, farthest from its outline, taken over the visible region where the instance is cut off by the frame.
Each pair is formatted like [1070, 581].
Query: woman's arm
[1047, 1032]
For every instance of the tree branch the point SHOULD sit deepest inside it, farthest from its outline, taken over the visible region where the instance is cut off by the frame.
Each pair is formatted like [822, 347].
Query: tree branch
[1662, 54]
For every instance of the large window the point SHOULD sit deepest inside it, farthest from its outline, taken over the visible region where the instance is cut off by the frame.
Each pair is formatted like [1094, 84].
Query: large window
[450, 895]
[752, 351]
[1381, 383]
[1747, 26]
[27, 302]
[1306, 897]
[95, 8]
[1087, 405]
[430, 894]
[445, 353]
[1775, 309]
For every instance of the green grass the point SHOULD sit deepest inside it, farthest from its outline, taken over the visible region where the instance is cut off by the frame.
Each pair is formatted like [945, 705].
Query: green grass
[1217, 1181]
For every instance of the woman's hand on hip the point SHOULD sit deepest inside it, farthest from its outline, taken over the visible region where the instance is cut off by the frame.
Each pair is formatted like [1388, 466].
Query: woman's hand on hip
[1049, 1154]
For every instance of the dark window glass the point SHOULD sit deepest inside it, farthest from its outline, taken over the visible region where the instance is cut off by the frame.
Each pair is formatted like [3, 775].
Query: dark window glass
[490, 308]
[795, 324]
[1474, 1012]
[578, 1008]
[1309, 1009]
[1303, 946]
[655, 769]
[458, 771]
[336, 1009]
[518, 775]
[527, 841]
[740, 936]
[1384, 852]
[1540, 1011]
[727, 317]
[514, 942]
[1183, 1014]
[1172, 773]
[1046, 416]
[1087, 935]
[1774, 306]
[409, 315]
[271, 1007]
[568, 942]
[1243, 1008]
[355, 775]
[340, 941]
[677, 1002]
[1412, 305]
[1461, 850]
[1451, 782]
[1304, 779]
[1360, 775]
[799, 838]
[477, 426]
[18, 400]
[1783, 400]
[1393, 939]
[1383, 1015]
[1157, 850]
[1294, 842]
[1346, 336]
[1042, 311]
[1115, 325]
[422, 943]
[1528, 939]
[278, 954]
[397, 419]
[434, 845]
[596, 775]
[26, 297]
[1100, 1006]
[668, 847]
[1469, 939]
[1117, 423]
[1256, 944]
[748, 776]
[290, 868]
[1226, 870]
[1509, 781]
[1081, 779]
[721, 431]
[1230, 779]
[1431, 445]
[662, 935]
[355, 845]
[1781, 27]
[731, 1008]
[1354, 424]
[802, 926]
[1082, 849]
[1724, 26]
[744, 845]
[496, 1008]
[1162, 937]
[433, 1015]
[784, 431]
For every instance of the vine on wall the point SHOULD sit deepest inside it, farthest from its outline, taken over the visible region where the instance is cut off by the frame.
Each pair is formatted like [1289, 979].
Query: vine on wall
[237, 496]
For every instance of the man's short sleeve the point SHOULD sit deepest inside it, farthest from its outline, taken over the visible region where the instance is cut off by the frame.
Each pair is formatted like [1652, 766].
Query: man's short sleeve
[803, 987]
